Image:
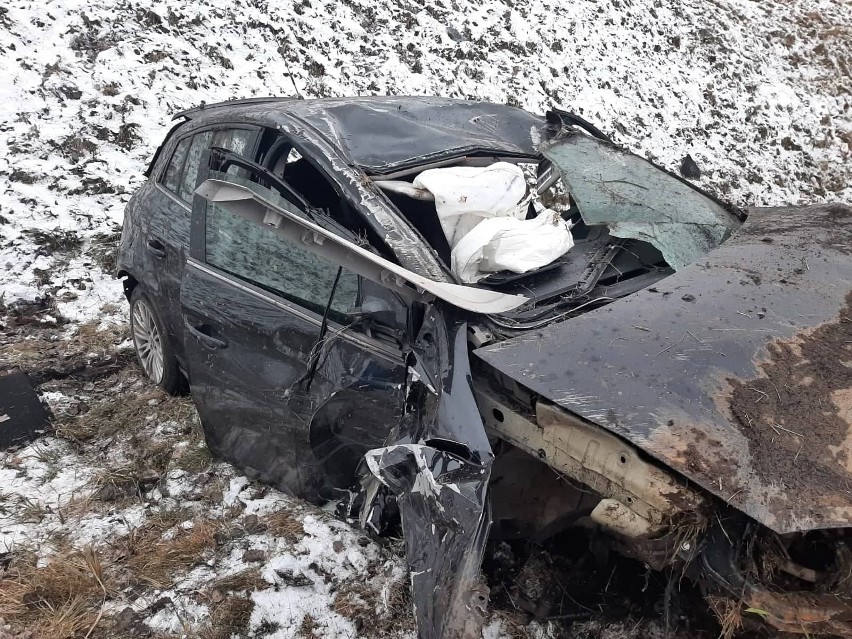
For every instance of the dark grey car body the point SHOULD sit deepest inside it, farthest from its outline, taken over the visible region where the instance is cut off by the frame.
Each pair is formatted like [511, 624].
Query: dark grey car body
[419, 408]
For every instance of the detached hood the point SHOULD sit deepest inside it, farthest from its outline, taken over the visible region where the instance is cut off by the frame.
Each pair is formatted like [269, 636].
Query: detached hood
[736, 371]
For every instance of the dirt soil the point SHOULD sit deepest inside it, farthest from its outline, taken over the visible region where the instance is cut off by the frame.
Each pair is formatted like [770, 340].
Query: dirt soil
[798, 413]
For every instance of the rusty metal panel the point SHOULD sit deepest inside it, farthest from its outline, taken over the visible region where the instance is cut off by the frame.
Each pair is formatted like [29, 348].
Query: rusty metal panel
[736, 371]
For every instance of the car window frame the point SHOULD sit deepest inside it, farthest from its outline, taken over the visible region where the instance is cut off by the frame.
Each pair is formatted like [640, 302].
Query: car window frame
[165, 171]
[358, 336]
[160, 172]
[297, 145]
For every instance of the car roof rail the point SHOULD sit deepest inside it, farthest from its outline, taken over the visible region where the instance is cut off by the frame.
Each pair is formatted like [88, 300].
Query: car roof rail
[189, 113]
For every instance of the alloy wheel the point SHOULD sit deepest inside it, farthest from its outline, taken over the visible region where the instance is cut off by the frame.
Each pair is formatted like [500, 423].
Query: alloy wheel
[147, 340]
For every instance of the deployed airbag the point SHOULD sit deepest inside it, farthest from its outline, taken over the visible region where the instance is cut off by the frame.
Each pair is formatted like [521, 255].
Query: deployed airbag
[510, 244]
[483, 213]
[466, 195]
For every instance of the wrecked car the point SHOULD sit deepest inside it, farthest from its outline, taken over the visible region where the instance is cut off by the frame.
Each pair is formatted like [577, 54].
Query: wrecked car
[480, 322]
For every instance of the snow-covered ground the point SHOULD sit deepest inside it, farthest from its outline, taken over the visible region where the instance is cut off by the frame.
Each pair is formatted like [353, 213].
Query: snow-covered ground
[759, 93]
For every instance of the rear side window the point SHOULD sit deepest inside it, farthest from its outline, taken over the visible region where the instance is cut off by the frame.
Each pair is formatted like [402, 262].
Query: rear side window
[172, 178]
[236, 140]
[258, 255]
[181, 176]
[200, 142]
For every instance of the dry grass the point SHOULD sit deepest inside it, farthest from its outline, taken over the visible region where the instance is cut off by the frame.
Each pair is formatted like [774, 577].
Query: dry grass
[307, 627]
[120, 484]
[247, 580]
[92, 338]
[194, 459]
[30, 354]
[75, 508]
[70, 618]
[229, 617]
[56, 601]
[107, 418]
[29, 510]
[729, 612]
[127, 414]
[25, 353]
[285, 523]
[353, 601]
[375, 616]
[155, 561]
[13, 598]
[151, 456]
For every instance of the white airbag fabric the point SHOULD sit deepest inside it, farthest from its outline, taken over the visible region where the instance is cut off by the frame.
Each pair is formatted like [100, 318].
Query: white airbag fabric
[482, 211]
[509, 244]
[466, 195]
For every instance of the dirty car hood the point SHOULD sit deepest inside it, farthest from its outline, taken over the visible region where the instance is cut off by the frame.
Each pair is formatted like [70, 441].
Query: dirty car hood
[736, 371]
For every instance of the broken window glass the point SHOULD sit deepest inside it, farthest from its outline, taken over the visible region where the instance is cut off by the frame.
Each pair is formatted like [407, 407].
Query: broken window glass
[172, 177]
[256, 254]
[637, 200]
[236, 140]
[190, 172]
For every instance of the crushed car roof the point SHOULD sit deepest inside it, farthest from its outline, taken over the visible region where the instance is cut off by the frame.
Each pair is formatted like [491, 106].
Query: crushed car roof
[383, 133]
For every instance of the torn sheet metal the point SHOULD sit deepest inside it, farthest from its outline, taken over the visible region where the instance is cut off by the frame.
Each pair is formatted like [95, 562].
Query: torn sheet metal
[264, 207]
[440, 498]
[384, 133]
[437, 465]
[638, 200]
[719, 370]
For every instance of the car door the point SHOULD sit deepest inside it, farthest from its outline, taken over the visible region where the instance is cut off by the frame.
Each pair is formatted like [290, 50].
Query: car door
[253, 305]
[433, 468]
[166, 235]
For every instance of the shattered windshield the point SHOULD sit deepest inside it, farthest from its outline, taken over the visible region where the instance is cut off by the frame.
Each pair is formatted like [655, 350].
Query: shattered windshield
[637, 200]
[594, 224]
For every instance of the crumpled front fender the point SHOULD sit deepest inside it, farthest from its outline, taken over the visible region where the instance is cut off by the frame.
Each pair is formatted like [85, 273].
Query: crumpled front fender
[437, 465]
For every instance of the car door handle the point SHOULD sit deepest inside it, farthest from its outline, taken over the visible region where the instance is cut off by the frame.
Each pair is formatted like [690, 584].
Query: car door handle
[156, 248]
[202, 333]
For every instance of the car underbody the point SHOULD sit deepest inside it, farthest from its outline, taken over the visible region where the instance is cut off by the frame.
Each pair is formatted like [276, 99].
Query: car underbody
[678, 380]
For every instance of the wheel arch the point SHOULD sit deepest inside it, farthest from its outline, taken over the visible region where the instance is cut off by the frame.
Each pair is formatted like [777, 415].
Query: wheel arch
[128, 282]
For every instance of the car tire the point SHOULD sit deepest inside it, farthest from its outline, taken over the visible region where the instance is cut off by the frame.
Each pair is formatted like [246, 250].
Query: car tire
[153, 344]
